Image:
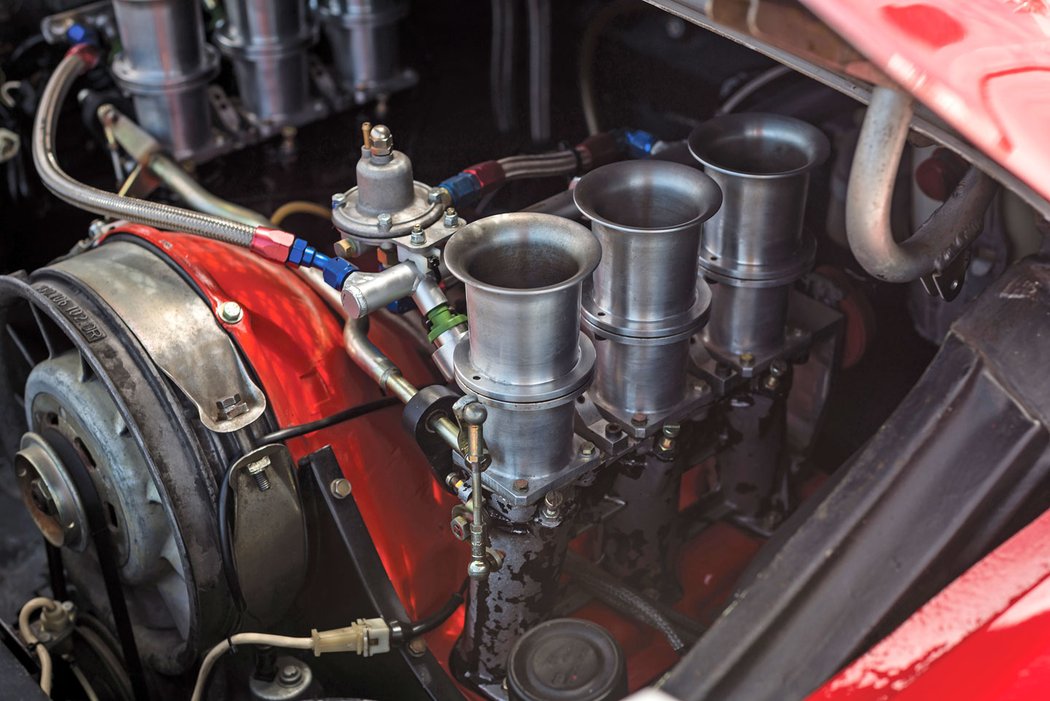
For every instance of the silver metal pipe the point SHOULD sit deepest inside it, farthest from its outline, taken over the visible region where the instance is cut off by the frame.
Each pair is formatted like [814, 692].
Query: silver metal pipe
[363, 35]
[267, 42]
[524, 275]
[947, 232]
[647, 215]
[107, 203]
[762, 162]
[755, 246]
[165, 64]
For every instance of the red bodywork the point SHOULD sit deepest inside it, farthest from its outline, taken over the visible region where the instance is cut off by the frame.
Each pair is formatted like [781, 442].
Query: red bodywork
[982, 65]
[984, 638]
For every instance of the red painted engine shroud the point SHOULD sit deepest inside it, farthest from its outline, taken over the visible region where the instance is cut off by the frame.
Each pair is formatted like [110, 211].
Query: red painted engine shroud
[294, 343]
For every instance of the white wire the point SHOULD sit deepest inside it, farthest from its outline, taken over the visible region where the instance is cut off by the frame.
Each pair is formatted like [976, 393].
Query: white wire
[5, 92]
[42, 654]
[751, 87]
[84, 683]
[242, 639]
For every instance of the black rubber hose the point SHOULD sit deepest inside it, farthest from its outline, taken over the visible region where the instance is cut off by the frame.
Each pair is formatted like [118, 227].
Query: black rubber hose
[617, 595]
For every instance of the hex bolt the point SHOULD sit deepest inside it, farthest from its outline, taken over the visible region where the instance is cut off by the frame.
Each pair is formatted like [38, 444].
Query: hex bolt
[451, 218]
[418, 238]
[639, 419]
[384, 222]
[340, 488]
[587, 448]
[747, 359]
[521, 485]
[231, 312]
[417, 647]
[460, 527]
[338, 199]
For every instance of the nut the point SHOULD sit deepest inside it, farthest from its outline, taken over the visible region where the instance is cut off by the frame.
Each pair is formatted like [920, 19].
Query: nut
[418, 238]
[340, 488]
[460, 527]
[587, 448]
[639, 419]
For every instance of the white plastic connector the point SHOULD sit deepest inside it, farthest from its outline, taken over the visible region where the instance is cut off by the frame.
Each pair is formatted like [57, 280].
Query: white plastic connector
[366, 637]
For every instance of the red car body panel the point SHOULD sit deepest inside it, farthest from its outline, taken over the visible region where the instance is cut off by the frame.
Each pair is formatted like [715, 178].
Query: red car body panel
[982, 65]
[986, 637]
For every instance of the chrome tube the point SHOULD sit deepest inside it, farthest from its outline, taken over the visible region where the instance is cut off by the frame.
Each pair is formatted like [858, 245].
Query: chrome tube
[763, 163]
[267, 42]
[363, 35]
[644, 300]
[165, 65]
[948, 231]
[107, 203]
[524, 357]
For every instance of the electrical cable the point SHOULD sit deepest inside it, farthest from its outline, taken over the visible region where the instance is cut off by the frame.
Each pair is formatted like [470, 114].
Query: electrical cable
[299, 207]
[41, 652]
[84, 683]
[588, 47]
[751, 87]
[434, 620]
[539, 70]
[243, 639]
[226, 484]
[336, 418]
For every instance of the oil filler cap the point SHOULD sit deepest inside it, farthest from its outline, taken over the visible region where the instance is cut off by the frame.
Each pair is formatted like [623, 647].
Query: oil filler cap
[567, 659]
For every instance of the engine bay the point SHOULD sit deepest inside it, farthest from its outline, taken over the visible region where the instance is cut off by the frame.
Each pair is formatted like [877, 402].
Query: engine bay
[524, 350]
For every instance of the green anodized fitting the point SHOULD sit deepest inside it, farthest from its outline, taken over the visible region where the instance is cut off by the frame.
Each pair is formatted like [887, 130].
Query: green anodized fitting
[442, 319]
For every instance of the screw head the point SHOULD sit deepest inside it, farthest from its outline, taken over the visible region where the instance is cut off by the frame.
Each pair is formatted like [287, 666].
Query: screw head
[340, 488]
[290, 675]
[521, 485]
[418, 238]
[231, 312]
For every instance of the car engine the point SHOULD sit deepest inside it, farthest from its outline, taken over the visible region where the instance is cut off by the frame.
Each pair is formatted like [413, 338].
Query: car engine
[724, 356]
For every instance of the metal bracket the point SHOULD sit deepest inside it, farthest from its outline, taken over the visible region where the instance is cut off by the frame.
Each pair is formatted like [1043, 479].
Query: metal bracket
[176, 327]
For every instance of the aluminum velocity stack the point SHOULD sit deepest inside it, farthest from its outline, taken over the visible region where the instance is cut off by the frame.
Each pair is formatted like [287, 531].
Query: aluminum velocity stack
[267, 42]
[363, 35]
[165, 65]
[755, 246]
[525, 357]
[645, 299]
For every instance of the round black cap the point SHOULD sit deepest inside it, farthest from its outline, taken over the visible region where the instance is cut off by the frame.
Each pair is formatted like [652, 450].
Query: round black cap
[566, 659]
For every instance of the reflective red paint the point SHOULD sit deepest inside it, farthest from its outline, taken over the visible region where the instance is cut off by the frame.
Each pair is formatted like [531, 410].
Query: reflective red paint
[986, 637]
[294, 343]
[982, 65]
